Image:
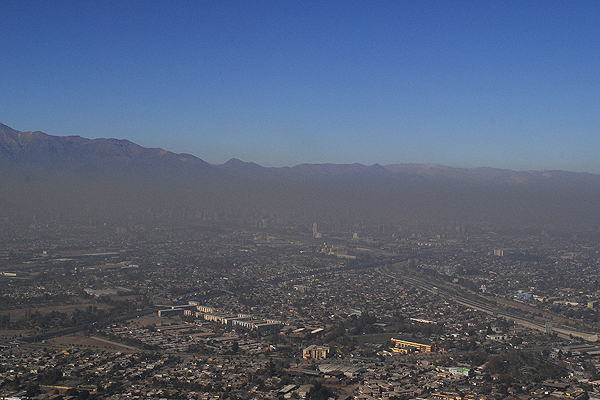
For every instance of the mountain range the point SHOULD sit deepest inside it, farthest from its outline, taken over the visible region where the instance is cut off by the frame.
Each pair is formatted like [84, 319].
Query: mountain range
[45, 176]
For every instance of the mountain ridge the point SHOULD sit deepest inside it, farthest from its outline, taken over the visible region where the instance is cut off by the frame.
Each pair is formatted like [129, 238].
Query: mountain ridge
[116, 179]
[40, 148]
[15, 143]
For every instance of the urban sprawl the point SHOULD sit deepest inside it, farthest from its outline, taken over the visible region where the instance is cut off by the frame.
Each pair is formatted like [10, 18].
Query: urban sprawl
[208, 310]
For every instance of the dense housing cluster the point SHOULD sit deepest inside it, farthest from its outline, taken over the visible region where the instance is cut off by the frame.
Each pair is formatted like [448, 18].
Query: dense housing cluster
[242, 314]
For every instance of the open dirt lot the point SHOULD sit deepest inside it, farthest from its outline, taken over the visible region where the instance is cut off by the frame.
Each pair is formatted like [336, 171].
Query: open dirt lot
[95, 343]
[19, 313]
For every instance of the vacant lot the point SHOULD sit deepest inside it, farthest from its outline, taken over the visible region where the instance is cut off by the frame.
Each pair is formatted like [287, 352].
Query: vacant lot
[96, 343]
[375, 338]
[20, 313]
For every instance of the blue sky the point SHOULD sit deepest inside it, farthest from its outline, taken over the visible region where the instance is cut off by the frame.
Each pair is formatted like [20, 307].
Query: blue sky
[507, 84]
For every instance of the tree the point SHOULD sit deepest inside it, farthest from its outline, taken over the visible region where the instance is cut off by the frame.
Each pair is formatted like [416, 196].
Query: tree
[319, 392]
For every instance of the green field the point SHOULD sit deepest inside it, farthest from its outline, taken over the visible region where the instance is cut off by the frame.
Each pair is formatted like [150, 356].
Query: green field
[374, 338]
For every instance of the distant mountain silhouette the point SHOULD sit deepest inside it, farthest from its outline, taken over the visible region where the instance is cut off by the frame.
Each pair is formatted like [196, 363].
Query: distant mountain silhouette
[239, 167]
[492, 175]
[48, 177]
[39, 149]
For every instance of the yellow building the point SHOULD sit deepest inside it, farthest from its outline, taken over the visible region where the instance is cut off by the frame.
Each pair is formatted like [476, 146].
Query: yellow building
[404, 345]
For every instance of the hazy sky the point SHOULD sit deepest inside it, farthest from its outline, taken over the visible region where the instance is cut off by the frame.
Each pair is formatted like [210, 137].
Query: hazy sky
[510, 84]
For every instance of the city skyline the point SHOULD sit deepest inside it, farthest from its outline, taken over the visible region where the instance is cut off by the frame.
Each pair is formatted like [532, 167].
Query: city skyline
[501, 85]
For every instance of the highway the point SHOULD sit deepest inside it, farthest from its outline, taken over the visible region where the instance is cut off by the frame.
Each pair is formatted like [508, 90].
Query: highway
[452, 294]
